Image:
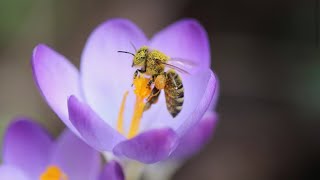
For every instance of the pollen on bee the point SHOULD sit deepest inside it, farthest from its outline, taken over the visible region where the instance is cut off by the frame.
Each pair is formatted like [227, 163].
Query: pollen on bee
[160, 82]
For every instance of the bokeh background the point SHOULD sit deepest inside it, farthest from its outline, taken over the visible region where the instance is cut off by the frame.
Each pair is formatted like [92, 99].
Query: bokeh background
[266, 54]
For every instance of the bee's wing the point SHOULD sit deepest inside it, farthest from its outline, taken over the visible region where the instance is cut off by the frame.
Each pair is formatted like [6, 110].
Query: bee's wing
[175, 68]
[183, 64]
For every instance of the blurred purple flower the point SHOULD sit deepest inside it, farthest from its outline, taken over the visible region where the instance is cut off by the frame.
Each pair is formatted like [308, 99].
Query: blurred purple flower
[30, 153]
[112, 171]
[88, 101]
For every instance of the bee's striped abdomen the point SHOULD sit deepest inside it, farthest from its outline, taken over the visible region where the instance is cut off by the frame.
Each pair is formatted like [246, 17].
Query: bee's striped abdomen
[174, 92]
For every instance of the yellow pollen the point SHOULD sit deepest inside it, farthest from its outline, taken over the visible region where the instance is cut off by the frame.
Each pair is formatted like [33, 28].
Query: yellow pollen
[141, 87]
[120, 115]
[53, 173]
[142, 91]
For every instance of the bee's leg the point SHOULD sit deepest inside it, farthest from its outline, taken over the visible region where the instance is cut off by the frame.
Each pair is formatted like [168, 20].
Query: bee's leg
[135, 75]
[151, 81]
[143, 70]
[152, 99]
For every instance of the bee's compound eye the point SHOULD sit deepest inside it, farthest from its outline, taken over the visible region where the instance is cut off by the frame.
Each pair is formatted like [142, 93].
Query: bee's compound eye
[160, 82]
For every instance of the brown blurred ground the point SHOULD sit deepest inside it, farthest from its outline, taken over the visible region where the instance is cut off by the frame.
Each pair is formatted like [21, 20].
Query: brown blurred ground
[264, 52]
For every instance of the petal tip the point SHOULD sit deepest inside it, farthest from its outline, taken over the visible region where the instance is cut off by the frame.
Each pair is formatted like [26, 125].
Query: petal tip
[191, 23]
[112, 170]
[37, 51]
[72, 99]
[73, 104]
[24, 123]
[118, 24]
[20, 122]
[149, 147]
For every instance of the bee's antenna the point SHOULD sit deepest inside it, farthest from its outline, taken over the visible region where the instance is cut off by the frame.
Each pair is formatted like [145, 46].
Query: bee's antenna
[126, 52]
[134, 47]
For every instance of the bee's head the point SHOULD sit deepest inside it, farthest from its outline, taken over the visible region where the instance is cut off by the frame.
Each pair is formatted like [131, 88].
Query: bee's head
[140, 57]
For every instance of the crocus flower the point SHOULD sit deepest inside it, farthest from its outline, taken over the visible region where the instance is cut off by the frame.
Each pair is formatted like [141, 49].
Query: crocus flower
[95, 104]
[29, 153]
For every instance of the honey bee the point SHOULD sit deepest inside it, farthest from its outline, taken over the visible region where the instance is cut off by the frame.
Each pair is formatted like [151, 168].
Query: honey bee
[152, 63]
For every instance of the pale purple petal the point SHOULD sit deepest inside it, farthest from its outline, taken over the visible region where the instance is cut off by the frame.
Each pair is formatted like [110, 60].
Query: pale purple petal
[196, 138]
[198, 92]
[214, 101]
[56, 79]
[9, 172]
[107, 74]
[92, 128]
[185, 39]
[149, 147]
[201, 106]
[27, 147]
[112, 171]
[75, 158]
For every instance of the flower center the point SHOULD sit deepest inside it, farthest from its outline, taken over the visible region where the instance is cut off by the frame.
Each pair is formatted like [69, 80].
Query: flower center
[142, 91]
[53, 173]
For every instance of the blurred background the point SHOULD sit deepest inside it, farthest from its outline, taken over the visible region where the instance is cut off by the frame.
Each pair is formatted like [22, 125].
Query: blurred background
[266, 54]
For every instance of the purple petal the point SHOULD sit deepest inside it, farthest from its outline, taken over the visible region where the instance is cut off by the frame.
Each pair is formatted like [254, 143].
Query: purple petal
[201, 106]
[198, 92]
[196, 138]
[149, 147]
[8, 172]
[57, 79]
[75, 158]
[27, 147]
[92, 128]
[214, 101]
[107, 74]
[112, 171]
[185, 39]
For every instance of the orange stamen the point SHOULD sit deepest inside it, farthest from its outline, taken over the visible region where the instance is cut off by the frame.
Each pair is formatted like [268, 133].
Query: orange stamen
[136, 118]
[120, 115]
[142, 91]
